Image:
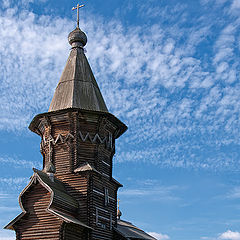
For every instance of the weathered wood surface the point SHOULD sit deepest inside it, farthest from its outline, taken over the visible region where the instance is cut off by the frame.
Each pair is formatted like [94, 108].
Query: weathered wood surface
[89, 187]
[70, 140]
[37, 223]
[77, 87]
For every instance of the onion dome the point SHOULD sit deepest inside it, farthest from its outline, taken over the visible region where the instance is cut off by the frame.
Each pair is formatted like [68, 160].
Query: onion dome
[77, 38]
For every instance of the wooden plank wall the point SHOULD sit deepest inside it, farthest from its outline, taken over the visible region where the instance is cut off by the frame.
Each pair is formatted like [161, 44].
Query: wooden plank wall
[74, 232]
[87, 188]
[102, 216]
[37, 223]
[77, 186]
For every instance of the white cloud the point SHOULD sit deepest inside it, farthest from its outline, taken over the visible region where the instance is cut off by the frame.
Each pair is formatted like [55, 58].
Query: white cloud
[7, 238]
[13, 181]
[25, 51]
[7, 235]
[9, 209]
[4, 195]
[208, 238]
[154, 192]
[235, 193]
[12, 184]
[230, 235]
[150, 76]
[235, 4]
[159, 236]
[15, 162]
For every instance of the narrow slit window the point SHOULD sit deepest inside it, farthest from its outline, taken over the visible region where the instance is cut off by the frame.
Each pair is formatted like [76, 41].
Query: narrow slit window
[106, 194]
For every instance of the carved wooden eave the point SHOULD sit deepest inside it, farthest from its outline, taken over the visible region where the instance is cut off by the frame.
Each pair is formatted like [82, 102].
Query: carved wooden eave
[34, 125]
[56, 192]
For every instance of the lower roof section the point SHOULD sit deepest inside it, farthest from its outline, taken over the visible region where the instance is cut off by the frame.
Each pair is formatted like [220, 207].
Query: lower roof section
[58, 191]
[128, 231]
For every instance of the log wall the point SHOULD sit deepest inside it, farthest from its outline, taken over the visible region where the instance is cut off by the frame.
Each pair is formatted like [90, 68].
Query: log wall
[37, 223]
[73, 232]
[103, 208]
[72, 139]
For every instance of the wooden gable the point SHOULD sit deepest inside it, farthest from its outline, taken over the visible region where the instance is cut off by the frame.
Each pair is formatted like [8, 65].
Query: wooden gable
[37, 222]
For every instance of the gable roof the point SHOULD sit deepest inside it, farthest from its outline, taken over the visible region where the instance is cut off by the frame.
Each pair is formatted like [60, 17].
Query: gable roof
[129, 231]
[58, 191]
[88, 167]
[56, 188]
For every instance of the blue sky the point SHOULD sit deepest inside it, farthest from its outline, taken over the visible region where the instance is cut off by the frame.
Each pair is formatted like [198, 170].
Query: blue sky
[170, 71]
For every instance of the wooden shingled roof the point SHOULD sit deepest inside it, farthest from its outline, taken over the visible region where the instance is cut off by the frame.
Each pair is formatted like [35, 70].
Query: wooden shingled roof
[128, 231]
[87, 167]
[77, 87]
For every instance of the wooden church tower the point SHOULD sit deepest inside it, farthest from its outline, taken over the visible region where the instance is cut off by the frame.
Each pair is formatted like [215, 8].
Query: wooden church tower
[74, 197]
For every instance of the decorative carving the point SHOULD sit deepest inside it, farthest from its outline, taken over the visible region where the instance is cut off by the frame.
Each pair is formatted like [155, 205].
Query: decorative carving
[107, 140]
[60, 138]
[51, 141]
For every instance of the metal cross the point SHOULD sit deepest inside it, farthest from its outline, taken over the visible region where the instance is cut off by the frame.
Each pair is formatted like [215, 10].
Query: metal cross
[77, 7]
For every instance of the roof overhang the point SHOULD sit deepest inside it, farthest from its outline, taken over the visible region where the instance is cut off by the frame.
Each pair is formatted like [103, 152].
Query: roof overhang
[36, 120]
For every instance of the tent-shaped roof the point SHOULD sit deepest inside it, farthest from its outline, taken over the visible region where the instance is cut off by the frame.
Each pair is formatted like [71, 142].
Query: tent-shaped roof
[77, 87]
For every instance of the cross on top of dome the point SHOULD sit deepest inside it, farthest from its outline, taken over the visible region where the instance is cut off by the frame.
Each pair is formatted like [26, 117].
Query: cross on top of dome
[77, 7]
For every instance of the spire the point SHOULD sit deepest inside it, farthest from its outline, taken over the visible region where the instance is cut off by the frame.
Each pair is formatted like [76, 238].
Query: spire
[77, 87]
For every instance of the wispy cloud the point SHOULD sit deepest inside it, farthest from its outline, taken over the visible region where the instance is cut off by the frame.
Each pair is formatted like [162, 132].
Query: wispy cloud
[9, 209]
[154, 192]
[7, 238]
[234, 193]
[208, 238]
[4, 195]
[11, 181]
[17, 163]
[159, 236]
[12, 184]
[176, 88]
